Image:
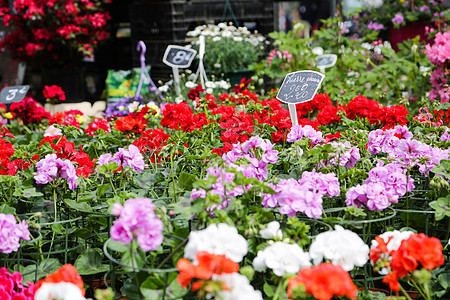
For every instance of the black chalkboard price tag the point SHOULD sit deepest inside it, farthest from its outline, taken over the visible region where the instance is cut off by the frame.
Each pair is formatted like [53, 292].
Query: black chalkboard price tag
[326, 60]
[12, 94]
[178, 57]
[300, 86]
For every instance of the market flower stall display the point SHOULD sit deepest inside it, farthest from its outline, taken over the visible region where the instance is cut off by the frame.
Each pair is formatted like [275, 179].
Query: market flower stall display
[213, 193]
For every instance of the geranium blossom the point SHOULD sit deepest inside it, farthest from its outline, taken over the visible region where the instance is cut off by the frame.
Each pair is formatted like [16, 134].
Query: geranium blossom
[340, 246]
[137, 220]
[281, 258]
[51, 168]
[217, 239]
[239, 288]
[324, 282]
[11, 233]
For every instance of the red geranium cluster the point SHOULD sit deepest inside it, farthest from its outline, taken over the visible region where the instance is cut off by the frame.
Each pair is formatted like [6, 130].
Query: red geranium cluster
[54, 93]
[151, 142]
[98, 124]
[195, 92]
[418, 250]
[39, 30]
[28, 111]
[180, 116]
[323, 281]
[208, 265]
[68, 118]
[8, 166]
[362, 107]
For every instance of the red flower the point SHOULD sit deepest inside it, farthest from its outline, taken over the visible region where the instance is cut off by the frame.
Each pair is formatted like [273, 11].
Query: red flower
[392, 280]
[129, 123]
[195, 92]
[319, 102]
[328, 115]
[98, 124]
[66, 273]
[240, 87]
[362, 107]
[323, 282]
[54, 92]
[151, 142]
[208, 265]
[28, 111]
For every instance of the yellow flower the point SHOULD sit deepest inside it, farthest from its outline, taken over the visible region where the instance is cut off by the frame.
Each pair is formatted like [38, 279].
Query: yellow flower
[8, 115]
[155, 108]
[80, 119]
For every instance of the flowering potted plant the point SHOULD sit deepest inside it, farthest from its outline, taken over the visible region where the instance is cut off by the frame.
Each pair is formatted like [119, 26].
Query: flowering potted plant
[228, 48]
[53, 32]
[394, 15]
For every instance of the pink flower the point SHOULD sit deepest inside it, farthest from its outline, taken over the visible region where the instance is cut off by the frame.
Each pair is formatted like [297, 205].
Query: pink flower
[137, 220]
[398, 18]
[11, 233]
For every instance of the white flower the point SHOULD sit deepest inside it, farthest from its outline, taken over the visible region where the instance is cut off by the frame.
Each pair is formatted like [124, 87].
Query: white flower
[190, 84]
[342, 247]
[52, 131]
[282, 258]
[317, 50]
[423, 69]
[239, 288]
[217, 239]
[209, 91]
[226, 33]
[223, 84]
[272, 231]
[237, 39]
[210, 84]
[163, 88]
[60, 290]
[216, 38]
[179, 99]
[132, 106]
[217, 65]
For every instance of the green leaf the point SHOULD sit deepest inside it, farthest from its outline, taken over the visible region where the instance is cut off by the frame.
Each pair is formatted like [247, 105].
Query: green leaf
[186, 180]
[7, 209]
[46, 267]
[444, 280]
[79, 206]
[268, 289]
[90, 262]
[58, 228]
[102, 189]
[117, 246]
[83, 233]
[31, 192]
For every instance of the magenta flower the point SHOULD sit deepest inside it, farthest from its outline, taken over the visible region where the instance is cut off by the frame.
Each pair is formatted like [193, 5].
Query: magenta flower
[375, 26]
[11, 233]
[137, 220]
[398, 18]
[11, 286]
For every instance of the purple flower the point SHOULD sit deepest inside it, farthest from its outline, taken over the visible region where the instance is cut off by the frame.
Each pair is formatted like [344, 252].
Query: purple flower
[51, 168]
[137, 220]
[375, 26]
[298, 132]
[130, 157]
[11, 232]
[104, 159]
[47, 169]
[346, 155]
[398, 18]
[445, 136]
[293, 197]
